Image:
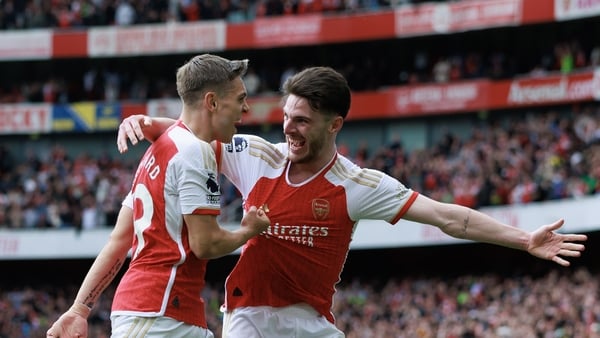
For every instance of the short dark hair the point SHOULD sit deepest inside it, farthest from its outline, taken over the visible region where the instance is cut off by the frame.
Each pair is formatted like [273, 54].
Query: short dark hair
[325, 89]
[207, 72]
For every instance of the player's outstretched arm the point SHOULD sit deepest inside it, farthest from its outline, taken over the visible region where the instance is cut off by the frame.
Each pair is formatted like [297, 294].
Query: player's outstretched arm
[73, 323]
[465, 223]
[136, 128]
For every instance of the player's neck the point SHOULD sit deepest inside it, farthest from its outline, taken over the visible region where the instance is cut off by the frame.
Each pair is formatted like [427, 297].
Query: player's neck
[197, 127]
[299, 172]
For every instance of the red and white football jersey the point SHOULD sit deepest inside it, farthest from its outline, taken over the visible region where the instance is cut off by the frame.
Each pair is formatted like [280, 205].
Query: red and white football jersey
[300, 257]
[176, 176]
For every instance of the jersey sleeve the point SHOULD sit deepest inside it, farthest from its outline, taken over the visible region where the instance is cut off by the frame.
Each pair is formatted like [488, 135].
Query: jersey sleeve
[195, 177]
[249, 157]
[388, 202]
[372, 194]
[128, 201]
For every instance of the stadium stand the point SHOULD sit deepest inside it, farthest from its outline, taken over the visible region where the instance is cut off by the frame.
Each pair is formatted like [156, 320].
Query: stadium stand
[491, 104]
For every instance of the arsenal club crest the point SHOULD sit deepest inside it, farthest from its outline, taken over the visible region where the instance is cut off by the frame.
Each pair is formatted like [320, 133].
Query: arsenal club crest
[320, 208]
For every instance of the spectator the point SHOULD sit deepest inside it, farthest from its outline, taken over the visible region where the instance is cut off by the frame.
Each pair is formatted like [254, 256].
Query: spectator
[125, 14]
[252, 81]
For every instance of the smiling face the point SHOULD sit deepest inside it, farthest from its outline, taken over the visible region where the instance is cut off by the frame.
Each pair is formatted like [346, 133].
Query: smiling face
[317, 100]
[228, 109]
[308, 133]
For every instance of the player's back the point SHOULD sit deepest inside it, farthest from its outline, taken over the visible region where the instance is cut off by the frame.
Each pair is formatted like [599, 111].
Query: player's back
[164, 277]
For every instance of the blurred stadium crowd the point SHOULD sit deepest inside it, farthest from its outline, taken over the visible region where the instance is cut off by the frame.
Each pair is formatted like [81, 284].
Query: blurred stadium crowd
[23, 14]
[551, 48]
[104, 80]
[139, 79]
[543, 155]
[557, 304]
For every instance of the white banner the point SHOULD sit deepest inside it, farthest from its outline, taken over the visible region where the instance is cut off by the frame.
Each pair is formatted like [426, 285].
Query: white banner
[164, 108]
[430, 18]
[25, 118]
[26, 45]
[575, 9]
[157, 39]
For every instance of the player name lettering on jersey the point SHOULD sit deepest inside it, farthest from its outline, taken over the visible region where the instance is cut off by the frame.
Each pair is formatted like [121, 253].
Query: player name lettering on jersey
[302, 234]
[308, 241]
[153, 170]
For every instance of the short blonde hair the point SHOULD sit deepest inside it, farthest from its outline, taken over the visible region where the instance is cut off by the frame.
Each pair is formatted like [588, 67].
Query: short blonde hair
[207, 72]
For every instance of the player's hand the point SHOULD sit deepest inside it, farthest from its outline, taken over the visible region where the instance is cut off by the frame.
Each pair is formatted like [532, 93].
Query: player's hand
[256, 219]
[547, 244]
[72, 324]
[131, 128]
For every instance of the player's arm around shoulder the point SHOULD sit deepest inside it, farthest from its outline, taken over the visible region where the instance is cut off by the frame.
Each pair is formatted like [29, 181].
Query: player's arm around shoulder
[207, 239]
[136, 128]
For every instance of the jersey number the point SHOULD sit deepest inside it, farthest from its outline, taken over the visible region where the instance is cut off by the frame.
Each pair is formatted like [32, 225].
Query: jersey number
[143, 222]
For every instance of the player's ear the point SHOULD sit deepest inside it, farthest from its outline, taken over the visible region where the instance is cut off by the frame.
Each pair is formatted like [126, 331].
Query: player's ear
[210, 101]
[336, 124]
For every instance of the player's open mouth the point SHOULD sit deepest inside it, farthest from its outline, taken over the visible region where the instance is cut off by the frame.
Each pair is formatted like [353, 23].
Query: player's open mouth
[296, 144]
